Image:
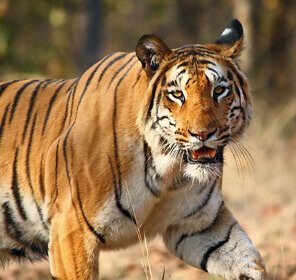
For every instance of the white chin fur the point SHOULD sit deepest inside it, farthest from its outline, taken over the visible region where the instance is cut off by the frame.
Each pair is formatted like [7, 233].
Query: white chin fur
[203, 172]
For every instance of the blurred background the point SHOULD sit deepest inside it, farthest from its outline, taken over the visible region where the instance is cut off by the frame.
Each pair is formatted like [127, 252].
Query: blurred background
[62, 38]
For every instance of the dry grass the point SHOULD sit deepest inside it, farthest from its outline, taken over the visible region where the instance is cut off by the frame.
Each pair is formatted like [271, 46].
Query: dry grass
[263, 200]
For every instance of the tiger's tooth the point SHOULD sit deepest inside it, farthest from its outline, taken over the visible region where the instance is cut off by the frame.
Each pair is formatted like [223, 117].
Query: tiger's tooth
[212, 153]
[195, 154]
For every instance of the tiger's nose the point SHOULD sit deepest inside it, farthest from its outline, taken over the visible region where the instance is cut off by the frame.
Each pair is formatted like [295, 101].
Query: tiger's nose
[204, 135]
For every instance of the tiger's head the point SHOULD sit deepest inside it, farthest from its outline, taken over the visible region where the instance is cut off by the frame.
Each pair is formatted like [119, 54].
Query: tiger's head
[199, 100]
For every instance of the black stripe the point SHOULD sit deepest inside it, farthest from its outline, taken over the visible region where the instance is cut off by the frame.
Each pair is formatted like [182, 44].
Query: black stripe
[205, 61]
[50, 105]
[30, 110]
[110, 64]
[46, 82]
[119, 70]
[28, 171]
[160, 118]
[239, 77]
[138, 77]
[205, 52]
[68, 171]
[163, 118]
[204, 202]
[41, 178]
[164, 143]
[94, 72]
[12, 230]
[118, 190]
[11, 226]
[148, 178]
[45, 226]
[118, 193]
[203, 264]
[189, 51]
[115, 181]
[66, 113]
[72, 99]
[236, 108]
[185, 48]
[56, 173]
[17, 98]
[91, 228]
[100, 236]
[4, 86]
[15, 188]
[203, 48]
[181, 72]
[237, 91]
[191, 79]
[223, 137]
[18, 253]
[163, 81]
[172, 83]
[184, 236]
[213, 70]
[50, 81]
[222, 79]
[29, 155]
[3, 121]
[66, 160]
[157, 103]
[185, 63]
[225, 129]
[151, 101]
[229, 75]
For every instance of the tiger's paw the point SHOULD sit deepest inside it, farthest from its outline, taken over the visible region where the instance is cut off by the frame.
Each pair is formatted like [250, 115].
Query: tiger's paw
[254, 276]
[244, 277]
[257, 272]
[254, 269]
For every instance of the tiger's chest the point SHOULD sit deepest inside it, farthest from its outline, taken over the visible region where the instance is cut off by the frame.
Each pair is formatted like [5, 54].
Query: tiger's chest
[135, 198]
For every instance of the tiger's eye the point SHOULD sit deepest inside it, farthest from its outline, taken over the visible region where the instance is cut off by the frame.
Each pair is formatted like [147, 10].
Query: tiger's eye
[219, 90]
[178, 94]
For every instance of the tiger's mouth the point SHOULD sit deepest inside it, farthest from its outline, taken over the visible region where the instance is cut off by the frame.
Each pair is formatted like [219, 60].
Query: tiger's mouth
[204, 155]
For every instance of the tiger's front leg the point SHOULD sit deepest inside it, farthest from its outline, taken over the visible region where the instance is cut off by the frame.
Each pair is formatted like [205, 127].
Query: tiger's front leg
[73, 250]
[221, 248]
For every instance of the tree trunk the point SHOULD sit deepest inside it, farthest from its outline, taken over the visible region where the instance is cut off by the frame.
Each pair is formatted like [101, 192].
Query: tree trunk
[93, 32]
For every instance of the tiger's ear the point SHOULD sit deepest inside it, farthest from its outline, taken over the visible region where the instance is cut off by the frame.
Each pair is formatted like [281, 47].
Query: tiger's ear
[150, 51]
[231, 40]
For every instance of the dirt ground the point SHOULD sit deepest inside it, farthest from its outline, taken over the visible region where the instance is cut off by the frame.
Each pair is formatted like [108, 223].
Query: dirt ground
[262, 197]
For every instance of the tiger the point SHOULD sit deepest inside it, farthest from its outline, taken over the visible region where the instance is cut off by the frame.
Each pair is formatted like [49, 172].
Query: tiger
[133, 147]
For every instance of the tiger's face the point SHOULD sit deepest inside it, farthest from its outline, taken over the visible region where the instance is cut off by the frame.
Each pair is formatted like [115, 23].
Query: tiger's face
[200, 99]
[201, 106]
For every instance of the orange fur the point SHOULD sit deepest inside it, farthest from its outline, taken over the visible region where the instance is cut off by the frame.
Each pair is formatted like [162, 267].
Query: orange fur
[67, 144]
